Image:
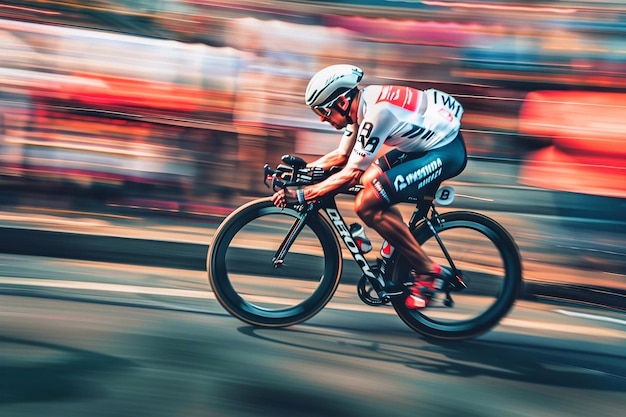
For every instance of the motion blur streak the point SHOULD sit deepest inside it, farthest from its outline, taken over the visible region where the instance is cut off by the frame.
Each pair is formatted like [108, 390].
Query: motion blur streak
[504, 7]
[173, 107]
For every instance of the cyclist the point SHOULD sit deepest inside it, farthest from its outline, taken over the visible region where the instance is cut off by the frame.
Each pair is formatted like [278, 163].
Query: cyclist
[423, 129]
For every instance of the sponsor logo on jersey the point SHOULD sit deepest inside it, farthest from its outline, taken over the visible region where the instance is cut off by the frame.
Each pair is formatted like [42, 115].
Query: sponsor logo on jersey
[359, 152]
[401, 96]
[449, 102]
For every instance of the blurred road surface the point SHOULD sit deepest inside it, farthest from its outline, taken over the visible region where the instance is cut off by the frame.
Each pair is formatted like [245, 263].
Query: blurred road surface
[558, 261]
[103, 339]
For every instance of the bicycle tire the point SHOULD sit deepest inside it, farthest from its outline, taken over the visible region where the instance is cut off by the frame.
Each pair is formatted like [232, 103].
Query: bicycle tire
[490, 262]
[246, 282]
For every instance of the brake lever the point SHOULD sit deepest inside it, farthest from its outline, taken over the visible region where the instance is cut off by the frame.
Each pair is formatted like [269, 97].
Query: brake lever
[269, 175]
[272, 176]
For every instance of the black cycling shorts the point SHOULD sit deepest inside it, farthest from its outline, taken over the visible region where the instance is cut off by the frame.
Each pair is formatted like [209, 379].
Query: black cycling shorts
[409, 176]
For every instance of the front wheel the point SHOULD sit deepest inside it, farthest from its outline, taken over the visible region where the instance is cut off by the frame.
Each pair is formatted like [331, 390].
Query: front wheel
[251, 286]
[489, 260]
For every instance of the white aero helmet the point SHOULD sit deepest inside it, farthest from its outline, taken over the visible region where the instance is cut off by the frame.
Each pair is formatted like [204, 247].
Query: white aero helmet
[331, 82]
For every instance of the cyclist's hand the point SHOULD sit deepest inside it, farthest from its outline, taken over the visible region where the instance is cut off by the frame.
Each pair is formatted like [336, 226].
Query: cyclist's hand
[283, 197]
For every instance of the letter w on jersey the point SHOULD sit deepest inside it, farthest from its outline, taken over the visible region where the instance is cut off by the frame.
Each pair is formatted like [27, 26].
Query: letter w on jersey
[449, 102]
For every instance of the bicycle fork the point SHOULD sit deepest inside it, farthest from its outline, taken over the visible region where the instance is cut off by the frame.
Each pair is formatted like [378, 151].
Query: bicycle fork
[294, 231]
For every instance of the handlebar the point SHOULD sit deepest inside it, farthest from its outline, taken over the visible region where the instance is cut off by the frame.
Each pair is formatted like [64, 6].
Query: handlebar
[279, 178]
[292, 172]
[289, 176]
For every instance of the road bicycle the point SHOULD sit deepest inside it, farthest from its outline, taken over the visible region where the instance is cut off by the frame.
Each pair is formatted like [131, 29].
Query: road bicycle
[274, 267]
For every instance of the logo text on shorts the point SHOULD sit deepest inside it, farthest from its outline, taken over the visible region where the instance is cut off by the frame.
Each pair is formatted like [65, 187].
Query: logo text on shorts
[423, 176]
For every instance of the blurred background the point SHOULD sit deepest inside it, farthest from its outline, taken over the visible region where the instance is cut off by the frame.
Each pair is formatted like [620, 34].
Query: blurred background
[176, 105]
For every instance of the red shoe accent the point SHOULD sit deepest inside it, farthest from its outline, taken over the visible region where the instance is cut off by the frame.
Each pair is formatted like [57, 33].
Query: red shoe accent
[416, 299]
[423, 289]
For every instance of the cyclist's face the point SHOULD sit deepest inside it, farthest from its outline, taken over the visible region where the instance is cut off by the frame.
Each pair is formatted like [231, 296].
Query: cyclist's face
[335, 118]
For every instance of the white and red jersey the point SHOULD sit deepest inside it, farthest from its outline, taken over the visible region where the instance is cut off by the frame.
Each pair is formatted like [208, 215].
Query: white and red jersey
[408, 119]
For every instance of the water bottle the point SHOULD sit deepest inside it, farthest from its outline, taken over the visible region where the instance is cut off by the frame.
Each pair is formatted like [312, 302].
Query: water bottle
[386, 250]
[358, 234]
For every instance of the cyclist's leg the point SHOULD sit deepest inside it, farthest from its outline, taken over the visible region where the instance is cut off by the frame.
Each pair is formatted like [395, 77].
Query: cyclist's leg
[381, 165]
[398, 177]
[377, 213]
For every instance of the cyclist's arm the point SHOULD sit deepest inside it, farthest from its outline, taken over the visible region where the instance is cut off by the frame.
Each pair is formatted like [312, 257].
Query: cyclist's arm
[337, 158]
[347, 177]
[363, 152]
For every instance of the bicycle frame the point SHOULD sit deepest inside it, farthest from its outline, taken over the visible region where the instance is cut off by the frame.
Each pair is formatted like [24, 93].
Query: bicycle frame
[379, 281]
[320, 225]
[283, 177]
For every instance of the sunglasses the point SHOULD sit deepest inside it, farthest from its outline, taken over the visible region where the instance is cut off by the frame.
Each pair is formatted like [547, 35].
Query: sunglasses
[324, 111]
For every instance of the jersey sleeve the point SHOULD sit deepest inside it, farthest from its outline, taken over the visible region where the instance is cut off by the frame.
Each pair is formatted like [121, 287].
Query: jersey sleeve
[347, 140]
[372, 133]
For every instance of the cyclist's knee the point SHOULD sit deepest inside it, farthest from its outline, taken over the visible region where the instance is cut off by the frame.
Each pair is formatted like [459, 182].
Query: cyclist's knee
[367, 206]
[370, 174]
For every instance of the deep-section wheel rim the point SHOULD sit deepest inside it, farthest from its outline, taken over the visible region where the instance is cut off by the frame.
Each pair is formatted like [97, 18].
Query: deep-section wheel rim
[245, 280]
[489, 259]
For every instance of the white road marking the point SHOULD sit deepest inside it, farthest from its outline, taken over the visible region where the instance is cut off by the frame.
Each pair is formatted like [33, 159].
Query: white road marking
[49, 220]
[591, 317]
[99, 286]
[175, 292]
[563, 328]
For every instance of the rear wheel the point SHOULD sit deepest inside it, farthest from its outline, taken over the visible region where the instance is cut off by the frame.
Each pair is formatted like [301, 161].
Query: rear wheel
[243, 276]
[489, 260]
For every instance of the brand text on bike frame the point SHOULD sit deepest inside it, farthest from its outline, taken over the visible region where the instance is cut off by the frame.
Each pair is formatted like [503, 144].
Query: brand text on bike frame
[358, 256]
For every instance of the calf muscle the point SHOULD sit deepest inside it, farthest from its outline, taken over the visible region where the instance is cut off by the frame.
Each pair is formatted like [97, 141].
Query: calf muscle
[389, 224]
